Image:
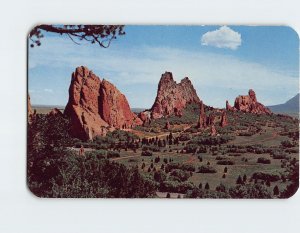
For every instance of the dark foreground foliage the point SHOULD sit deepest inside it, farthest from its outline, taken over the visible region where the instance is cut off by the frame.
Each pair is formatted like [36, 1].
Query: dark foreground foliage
[54, 171]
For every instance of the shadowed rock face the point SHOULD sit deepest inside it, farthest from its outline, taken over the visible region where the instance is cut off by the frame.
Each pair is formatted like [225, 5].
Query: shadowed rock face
[202, 117]
[224, 121]
[173, 97]
[30, 111]
[96, 106]
[29, 107]
[249, 103]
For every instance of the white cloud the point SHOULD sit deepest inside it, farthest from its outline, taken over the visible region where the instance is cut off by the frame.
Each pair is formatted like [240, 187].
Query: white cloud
[48, 90]
[224, 37]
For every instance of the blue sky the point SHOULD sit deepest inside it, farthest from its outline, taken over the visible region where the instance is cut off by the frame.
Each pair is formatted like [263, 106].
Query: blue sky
[221, 61]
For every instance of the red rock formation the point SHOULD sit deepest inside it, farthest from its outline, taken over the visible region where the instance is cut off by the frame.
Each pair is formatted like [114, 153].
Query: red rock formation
[249, 103]
[55, 112]
[94, 107]
[229, 107]
[31, 114]
[145, 117]
[171, 97]
[114, 108]
[29, 107]
[167, 126]
[224, 121]
[213, 131]
[210, 119]
[202, 117]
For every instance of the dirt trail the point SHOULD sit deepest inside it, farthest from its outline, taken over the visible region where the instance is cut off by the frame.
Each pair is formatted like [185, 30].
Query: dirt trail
[191, 160]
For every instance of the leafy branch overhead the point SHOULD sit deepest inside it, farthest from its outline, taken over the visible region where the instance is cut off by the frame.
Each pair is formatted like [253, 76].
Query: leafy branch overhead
[99, 34]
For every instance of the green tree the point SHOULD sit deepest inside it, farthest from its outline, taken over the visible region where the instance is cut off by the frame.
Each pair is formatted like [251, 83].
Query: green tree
[206, 186]
[276, 191]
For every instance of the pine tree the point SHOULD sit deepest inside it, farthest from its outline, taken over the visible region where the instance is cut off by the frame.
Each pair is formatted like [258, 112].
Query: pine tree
[276, 191]
[239, 180]
[200, 186]
[244, 178]
[207, 186]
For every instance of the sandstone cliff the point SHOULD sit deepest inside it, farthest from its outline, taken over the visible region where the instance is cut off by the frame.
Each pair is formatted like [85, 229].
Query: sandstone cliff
[173, 97]
[248, 103]
[96, 106]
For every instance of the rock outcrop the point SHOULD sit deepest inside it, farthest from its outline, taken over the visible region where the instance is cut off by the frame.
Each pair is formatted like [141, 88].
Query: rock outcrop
[224, 121]
[55, 112]
[213, 131]
[202, 117]
[114, 107]
[96, 106]
[31, 113]
[210, 119]
[173, 97]
[145, 117]
[29, 107]
[167, 126]
[229, 107]
[248, 103]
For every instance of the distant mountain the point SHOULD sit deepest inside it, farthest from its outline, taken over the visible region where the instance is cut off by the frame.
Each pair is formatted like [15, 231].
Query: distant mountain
[290, 107]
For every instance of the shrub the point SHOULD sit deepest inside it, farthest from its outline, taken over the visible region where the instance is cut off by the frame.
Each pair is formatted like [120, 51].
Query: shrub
[206, 186]
[180, 175]
[146, 153]
[206, 169]
[225, 162]
[221, 158]
[276, 191]
[249, 191]
[150, 148]
[184, 137]
[266, 176]
[287, 144]
[99, 154]
[263, 160]
[190, 148]
[112, 154]
[157, 159]
[279, 155]
[239, 180]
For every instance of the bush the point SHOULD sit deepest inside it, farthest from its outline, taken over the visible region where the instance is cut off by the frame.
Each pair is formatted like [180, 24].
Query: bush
[272, 177]
[184, 137]
[112, 154]
[276, 191]
[249, 191]
[190, 148]
[263, 160]
[150, 148]
[146, 153]
[99, 154]
[180, 175]
[157, 159]
[225, 162]
[279, 155]
[287, 144]
[206, 169]
[221, 158]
